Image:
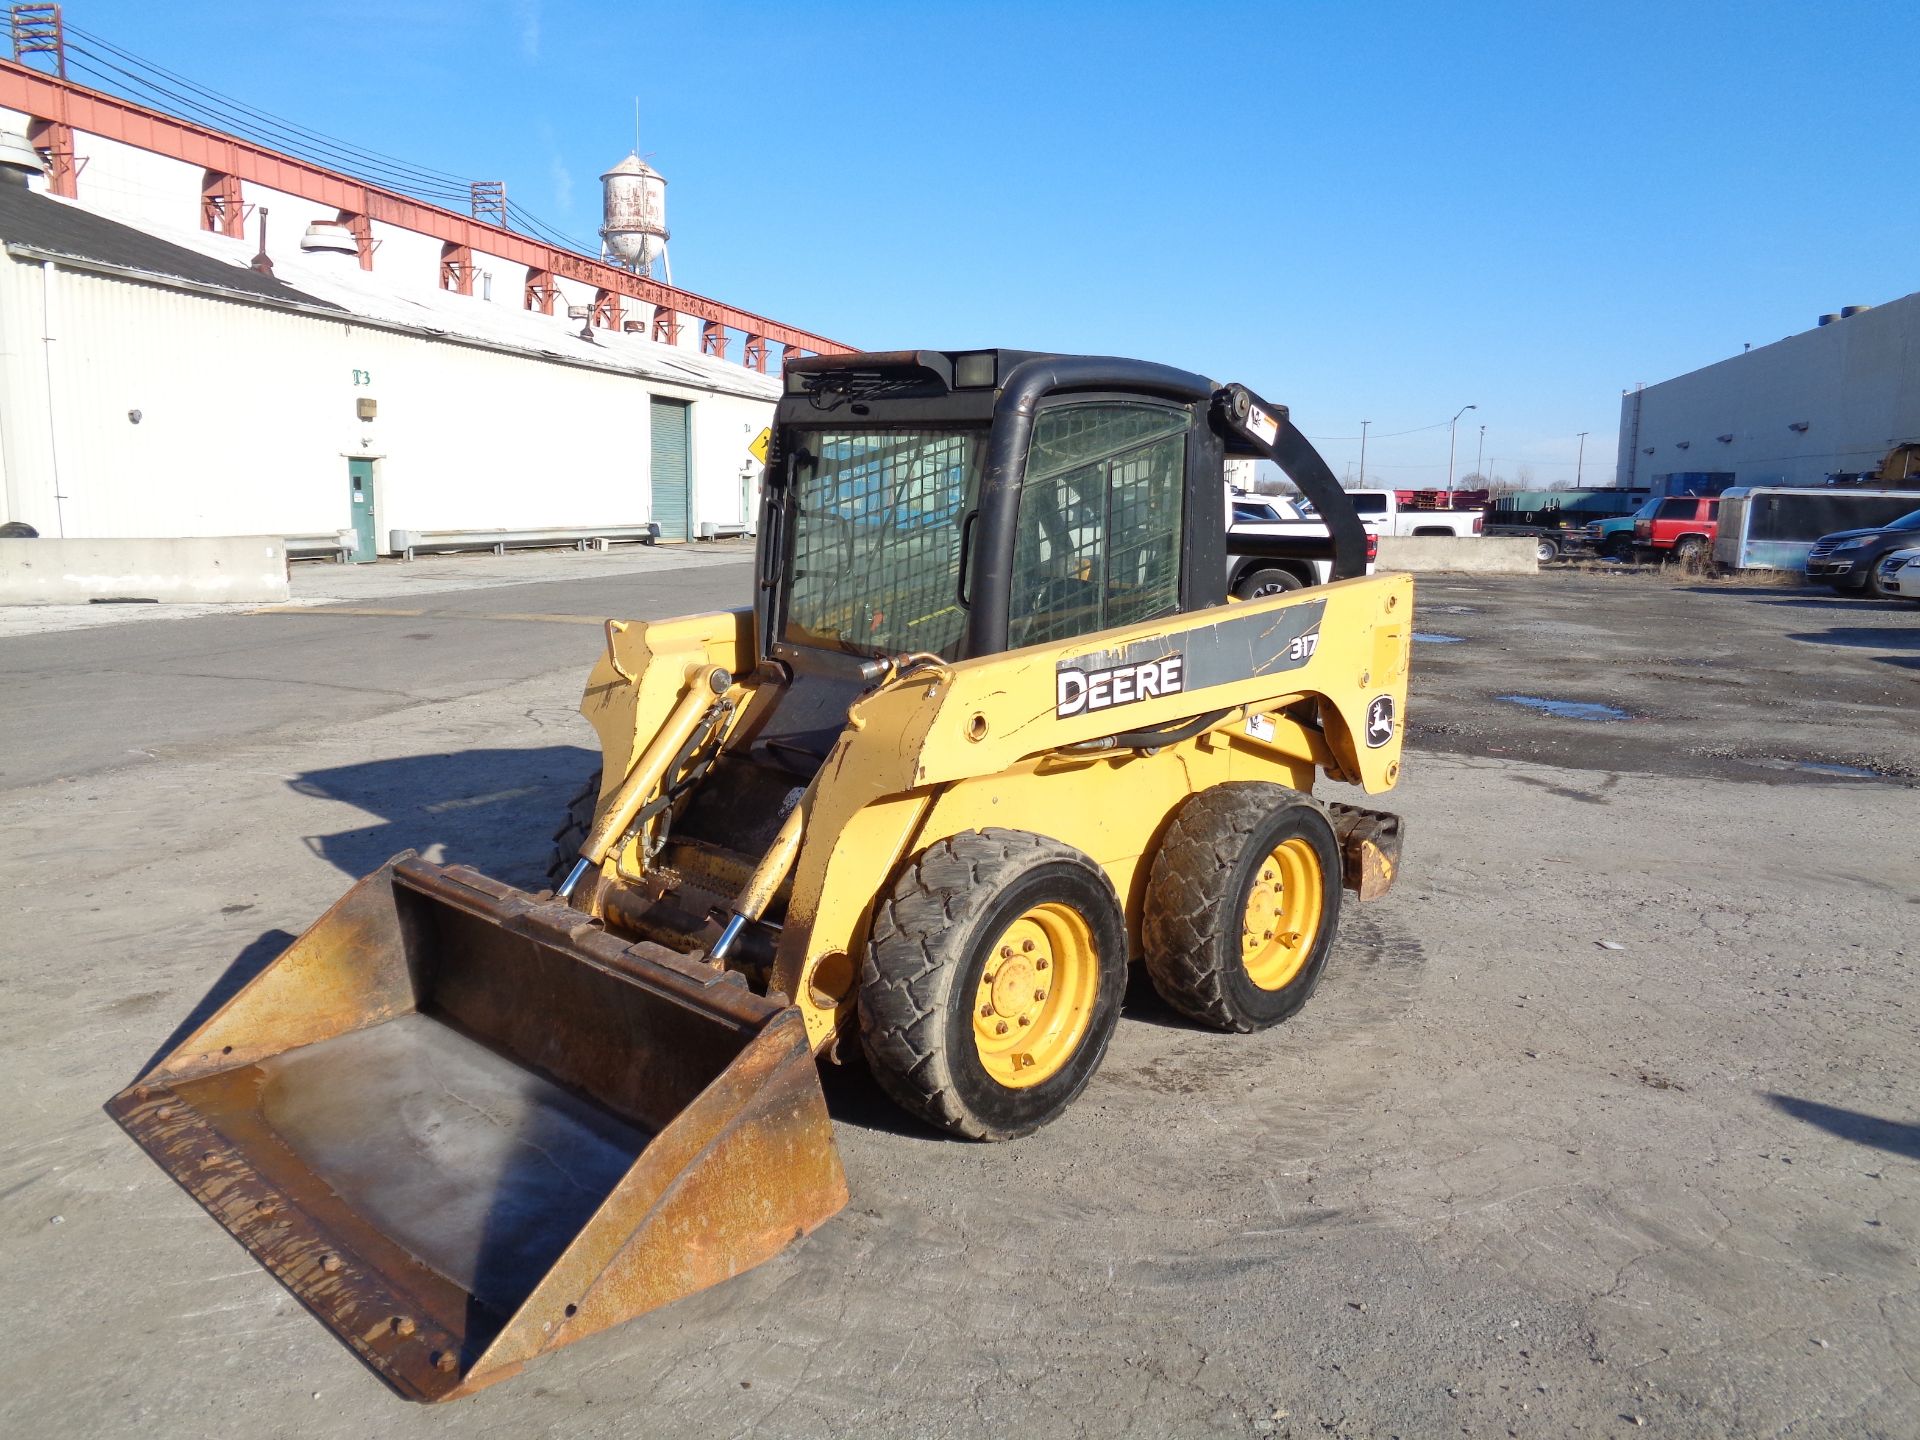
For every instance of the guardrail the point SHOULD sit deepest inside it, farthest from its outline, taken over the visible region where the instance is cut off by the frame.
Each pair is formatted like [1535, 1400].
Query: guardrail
[407, 543]
[333, 545]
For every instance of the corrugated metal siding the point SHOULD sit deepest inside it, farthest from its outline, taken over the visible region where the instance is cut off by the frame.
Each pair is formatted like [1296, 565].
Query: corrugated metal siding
[670, 469]
[26, 460]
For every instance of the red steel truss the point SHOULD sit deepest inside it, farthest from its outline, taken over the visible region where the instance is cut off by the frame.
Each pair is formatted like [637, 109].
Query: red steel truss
[59, 107]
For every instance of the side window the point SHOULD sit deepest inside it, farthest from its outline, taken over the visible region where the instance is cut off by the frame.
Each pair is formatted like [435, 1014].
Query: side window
[1678, 507]
[1713, 510]
[1098, 539]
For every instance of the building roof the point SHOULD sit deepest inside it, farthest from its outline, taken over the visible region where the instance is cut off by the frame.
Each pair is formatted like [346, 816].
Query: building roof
[328, 281]
[60, 228]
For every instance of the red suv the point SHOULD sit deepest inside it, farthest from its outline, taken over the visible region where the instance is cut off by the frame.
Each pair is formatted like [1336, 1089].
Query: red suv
[1684, 527]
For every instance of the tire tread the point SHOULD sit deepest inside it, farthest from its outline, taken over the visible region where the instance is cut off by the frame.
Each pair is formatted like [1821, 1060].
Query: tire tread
[907, 974]
[1183, 925]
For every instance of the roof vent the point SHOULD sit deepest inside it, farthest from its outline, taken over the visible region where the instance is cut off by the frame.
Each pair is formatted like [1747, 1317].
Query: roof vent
[1828, 319]
[1847, 312]
[329, 235]
[18, 159]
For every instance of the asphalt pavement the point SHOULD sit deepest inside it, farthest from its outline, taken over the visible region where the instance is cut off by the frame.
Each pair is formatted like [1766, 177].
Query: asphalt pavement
[1602, 1123]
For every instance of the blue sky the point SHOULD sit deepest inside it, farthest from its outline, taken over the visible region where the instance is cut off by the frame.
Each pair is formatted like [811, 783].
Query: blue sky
[1377, 212]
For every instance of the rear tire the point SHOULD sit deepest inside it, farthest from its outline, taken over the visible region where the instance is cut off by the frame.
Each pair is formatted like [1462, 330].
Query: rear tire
[1237, 849]
[572, 833]
[1545, 551]
[1267, 582]
[982, 931]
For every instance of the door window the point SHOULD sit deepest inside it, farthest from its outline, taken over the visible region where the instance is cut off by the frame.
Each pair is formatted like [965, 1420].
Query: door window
[1098, 542]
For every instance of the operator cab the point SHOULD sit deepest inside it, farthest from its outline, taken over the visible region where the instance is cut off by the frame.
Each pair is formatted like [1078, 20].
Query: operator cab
[965, 503]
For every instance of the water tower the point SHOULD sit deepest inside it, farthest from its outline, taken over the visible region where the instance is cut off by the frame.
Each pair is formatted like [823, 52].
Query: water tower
[635, 232]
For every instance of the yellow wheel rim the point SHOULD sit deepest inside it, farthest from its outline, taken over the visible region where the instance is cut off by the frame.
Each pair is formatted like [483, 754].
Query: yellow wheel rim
[1035, 998]
[1282, 916]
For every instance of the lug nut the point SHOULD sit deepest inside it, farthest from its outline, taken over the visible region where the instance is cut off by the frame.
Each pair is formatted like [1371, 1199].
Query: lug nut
[1001, 1028]
[1039, 994]
[1026, 1020]
[1040, 964]
[986, 1010]
[1027, 945]
[1006, 952]
[444, 1362]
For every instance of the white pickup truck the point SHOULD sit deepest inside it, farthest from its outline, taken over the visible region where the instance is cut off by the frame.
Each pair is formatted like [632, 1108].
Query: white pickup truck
[1383, 514]
[1250, 514]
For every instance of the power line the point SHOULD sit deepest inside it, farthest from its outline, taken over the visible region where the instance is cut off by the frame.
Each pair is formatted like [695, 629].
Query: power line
[148, 89]
[1391, 434]
[389, 162]
[146, 80]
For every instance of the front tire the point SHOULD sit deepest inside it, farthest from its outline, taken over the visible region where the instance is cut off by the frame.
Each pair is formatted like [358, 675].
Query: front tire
[992, 982]
[1243, 901]
[572, 833]
[1267, 581]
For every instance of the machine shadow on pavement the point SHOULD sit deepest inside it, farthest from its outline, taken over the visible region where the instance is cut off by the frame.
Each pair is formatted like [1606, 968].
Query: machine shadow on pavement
[493, 809]
[258, 955]
[1893, 1136]
[1863, 637]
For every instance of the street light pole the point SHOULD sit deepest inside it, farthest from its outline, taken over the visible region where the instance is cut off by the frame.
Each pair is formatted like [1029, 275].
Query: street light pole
[1478, 451]
[1363, 453]
[1452, 426]
[1579, 466]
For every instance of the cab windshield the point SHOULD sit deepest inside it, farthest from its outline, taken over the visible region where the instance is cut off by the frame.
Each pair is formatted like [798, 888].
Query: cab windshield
[875, 565]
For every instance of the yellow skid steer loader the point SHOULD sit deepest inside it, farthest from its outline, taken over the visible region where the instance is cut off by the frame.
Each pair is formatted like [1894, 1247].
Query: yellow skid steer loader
[989, 729]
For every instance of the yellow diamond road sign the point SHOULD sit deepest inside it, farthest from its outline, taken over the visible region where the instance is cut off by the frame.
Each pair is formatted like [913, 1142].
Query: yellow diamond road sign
[758, 449]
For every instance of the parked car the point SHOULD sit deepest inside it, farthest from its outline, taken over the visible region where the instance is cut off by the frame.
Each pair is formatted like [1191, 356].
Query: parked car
[1849, 560]
[1416, 512]
[1613, 536]
[1682, 528]
[1900, 574]
[1249, 576]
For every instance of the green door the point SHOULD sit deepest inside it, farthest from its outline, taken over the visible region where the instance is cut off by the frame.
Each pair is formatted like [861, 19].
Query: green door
[671, 470]
[360, 481]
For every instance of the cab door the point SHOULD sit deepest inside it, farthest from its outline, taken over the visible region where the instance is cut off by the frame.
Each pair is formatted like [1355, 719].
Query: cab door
[1101, 519]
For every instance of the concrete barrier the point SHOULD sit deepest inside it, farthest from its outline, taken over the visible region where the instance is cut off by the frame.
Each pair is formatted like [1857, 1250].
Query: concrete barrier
[1468, 554]
[245, 568]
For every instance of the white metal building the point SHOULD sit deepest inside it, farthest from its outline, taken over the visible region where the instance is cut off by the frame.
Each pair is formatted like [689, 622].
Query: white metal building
[155, 381]
[1830, 401]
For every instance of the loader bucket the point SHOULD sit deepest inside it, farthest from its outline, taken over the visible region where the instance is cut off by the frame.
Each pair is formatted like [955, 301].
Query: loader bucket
[465, 1126]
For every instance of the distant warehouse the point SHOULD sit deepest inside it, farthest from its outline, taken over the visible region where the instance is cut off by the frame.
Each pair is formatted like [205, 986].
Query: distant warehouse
[199, 336]
[1837, 404]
